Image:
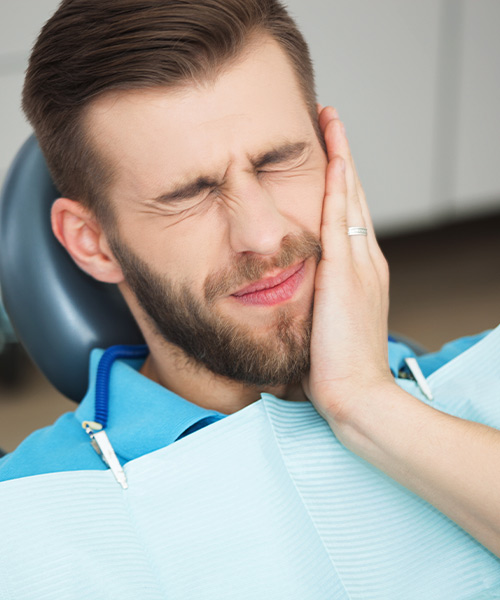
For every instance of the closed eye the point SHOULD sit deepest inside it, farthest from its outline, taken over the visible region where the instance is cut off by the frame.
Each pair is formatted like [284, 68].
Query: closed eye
[277, 169]
[282, 158]
[176, 206]
[283, 168]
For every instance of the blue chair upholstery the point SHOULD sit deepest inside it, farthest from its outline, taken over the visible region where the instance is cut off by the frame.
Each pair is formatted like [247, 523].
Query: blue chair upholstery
[58, 312]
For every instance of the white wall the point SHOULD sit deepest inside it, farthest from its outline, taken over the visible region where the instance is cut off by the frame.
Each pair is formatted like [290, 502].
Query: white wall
[376, 63]
[20, 22]
[477, 174]
[417, 84]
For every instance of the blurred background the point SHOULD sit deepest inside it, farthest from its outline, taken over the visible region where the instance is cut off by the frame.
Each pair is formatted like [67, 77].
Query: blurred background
[418, 87]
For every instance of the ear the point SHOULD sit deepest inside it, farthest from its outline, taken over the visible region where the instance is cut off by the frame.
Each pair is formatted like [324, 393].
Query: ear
[81, 234]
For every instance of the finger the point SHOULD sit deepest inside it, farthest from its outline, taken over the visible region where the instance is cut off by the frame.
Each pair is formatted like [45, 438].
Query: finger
[356, 254]
[376, 254]
[326, 115]
[358, 211]
[362, 198]
[334, 218]
[336, 146]
[375, 251]
[337, 142]
[378, 258]
[359, 243]
[357, 214]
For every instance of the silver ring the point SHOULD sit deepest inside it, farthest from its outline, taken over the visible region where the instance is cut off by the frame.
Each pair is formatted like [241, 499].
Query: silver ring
[357, 231]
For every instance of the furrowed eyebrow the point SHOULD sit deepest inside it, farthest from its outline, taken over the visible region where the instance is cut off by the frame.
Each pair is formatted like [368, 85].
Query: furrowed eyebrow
[191, 189]
[188, 190]
[282, 154]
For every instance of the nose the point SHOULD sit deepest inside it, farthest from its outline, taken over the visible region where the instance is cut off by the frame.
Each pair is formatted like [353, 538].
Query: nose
[255, 223]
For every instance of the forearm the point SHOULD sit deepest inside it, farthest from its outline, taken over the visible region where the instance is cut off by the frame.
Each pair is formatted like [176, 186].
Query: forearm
[452, 463]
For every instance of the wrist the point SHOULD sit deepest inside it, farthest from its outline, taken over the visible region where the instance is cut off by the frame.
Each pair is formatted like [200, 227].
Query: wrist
[344, 403]
[372, 418]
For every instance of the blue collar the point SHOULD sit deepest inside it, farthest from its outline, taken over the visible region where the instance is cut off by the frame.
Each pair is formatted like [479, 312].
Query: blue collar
[397, 354]
[143, 415]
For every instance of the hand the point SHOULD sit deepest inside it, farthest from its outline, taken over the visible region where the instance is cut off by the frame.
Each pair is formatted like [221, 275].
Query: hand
[450, 462]
[349, 331]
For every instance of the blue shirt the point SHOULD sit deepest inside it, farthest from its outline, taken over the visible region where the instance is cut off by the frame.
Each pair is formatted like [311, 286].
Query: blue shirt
[144, 416]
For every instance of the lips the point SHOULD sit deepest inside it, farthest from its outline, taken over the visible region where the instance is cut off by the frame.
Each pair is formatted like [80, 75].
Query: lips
[269, 282]
[272, 290]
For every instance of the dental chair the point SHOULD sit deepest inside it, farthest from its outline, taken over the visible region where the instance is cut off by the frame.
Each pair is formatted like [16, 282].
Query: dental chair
[58, 312]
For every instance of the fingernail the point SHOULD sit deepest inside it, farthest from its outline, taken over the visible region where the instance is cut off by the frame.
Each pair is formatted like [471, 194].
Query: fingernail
[335, 113]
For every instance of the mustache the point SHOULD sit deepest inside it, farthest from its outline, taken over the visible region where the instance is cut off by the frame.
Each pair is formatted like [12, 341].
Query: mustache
[248, 269]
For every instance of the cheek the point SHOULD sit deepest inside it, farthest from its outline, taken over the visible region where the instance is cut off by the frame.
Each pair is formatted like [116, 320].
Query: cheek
[181, 253]
[300, 199]
[197, 249]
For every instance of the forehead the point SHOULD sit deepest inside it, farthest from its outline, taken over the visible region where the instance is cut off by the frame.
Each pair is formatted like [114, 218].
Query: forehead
[152, 136]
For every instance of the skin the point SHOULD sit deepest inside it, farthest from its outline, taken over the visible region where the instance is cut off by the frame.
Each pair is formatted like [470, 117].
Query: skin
[217, 128]
[450, 462]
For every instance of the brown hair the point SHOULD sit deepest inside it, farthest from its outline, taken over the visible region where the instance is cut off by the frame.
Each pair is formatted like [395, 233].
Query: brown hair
[90, 47]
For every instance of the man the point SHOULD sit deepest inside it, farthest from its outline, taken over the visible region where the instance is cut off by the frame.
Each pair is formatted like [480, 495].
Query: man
[186, 139]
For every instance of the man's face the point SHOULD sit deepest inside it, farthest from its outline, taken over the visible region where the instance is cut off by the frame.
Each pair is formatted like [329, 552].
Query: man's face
[217, 196]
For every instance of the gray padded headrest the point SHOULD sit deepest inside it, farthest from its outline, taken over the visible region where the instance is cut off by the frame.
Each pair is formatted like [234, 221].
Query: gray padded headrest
[58, 312]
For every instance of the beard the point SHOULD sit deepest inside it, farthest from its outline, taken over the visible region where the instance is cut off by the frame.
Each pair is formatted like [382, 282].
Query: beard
[232, 350]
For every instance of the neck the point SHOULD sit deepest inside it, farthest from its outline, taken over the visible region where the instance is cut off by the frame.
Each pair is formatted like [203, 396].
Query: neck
[169, 366]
